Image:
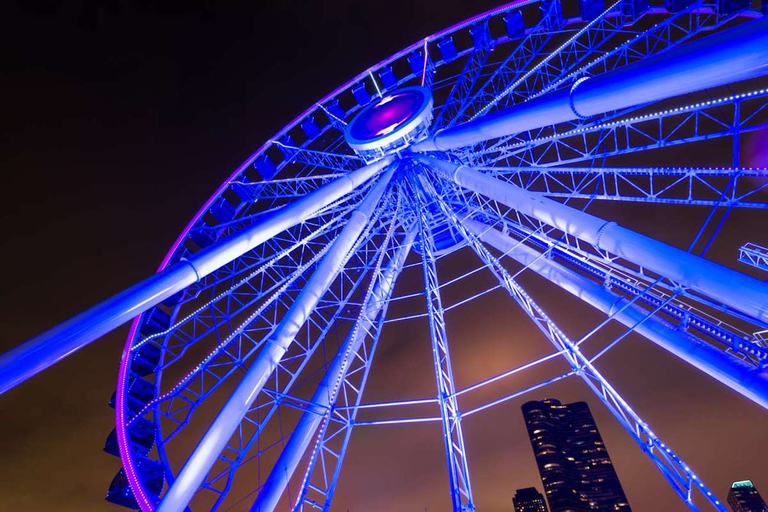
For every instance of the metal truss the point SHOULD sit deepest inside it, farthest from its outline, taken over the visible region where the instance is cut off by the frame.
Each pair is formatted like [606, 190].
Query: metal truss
[338, 162]
[705, 186]
[462, 87]
[329, 312]
[338, 420]
[667, 33]
[755, 255]
[458, 468]
[585, 42]
[509, 72]
[708, 119]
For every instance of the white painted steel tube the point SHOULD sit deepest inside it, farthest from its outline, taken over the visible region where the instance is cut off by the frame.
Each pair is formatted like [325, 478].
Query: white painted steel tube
[727, 286]
[726, 368]
[739, 53]
[215, 439]
[325, 395]
[46, 349]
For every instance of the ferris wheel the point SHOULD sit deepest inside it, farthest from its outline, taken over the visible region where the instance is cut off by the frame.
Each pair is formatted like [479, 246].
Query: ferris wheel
[242, 379]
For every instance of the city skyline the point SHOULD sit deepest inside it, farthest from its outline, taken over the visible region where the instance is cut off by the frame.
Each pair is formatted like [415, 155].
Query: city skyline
[576, 470]
[529, 499]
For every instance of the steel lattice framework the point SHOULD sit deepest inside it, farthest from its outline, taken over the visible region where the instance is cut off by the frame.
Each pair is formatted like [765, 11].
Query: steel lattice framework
[261, 325]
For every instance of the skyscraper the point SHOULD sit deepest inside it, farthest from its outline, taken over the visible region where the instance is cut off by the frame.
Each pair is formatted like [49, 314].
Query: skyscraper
[529, 500]
[574, 465]
[743, 497]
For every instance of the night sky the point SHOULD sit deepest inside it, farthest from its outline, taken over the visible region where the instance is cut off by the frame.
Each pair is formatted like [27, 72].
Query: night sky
[119, 120]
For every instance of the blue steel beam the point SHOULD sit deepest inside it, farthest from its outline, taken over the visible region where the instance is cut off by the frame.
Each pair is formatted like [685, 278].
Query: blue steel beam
[46, 349]
[325, 395]
[332, 440]
[278, 267]
[330, 311]
[554, 64]
[729, 56]
[230, 355]
[672, 31]
[615, 277]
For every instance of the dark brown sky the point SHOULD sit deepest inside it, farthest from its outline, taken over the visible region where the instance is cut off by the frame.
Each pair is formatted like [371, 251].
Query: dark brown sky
[119, 121]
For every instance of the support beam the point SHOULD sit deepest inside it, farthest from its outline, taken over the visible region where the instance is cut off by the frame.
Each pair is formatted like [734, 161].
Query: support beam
[453, 436]
[737, 54]
[746, 379]
[327, 390]
[731, 288]
[237, 406]
[46, 349]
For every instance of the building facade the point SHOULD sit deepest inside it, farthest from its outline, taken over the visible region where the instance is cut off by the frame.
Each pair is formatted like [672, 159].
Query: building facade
[575, 469]
[529, 500]
[743, 497]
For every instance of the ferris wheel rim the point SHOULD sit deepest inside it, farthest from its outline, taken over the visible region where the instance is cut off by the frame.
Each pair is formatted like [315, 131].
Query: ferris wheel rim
[123, 441]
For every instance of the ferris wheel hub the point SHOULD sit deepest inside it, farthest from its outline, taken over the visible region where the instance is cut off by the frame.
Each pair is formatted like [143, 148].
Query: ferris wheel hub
[391, 124]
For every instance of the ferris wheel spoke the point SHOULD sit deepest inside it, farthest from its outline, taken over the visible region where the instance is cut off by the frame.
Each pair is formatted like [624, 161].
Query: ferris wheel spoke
[271, 268]
[289, 371]
[678, 28]
[458, 468]
[202, 458]
[704, 186]
[673, 30]
[682, 478]
[321, 321]
[222, 357]
[716, 60]
[732, 288]
[294, 244]
[737, 362]
[520, 59]
[44, 350]
[344, 382]
[339, 162]
[556, 63]
[728, 116]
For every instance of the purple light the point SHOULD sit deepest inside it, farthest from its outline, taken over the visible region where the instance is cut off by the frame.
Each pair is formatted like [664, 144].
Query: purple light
[387, 115]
